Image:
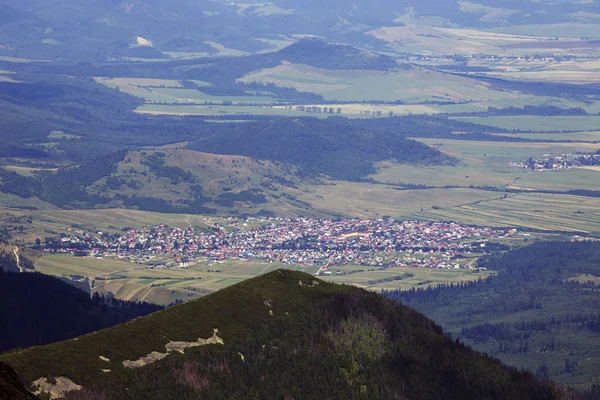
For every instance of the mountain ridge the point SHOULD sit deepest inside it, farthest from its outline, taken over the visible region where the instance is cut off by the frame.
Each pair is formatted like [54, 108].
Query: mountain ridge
[281, 334]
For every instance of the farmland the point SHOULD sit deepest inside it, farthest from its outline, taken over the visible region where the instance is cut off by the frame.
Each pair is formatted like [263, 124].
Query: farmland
[412, 84]
[146, 284]
[592, 136]
[485, 164]
[407, 250]
[527, 210]
[436, 40]
[538, 123]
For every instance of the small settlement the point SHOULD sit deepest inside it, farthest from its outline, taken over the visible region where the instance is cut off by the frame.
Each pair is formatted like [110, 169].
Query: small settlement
[563, 161]
[305, 241]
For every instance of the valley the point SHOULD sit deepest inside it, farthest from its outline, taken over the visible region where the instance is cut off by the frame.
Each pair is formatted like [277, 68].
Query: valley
[254, 167]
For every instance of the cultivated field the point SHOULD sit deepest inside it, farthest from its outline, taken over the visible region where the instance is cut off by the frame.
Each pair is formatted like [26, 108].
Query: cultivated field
[218, 110]
[430, 39]
[412, 85]
[578, 178]
[483, 164]
[364, 200]
[527, 210]
[591, 137]
[538, 123]
[131, 281]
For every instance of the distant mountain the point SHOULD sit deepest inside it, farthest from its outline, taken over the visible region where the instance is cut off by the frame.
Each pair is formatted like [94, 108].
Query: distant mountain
[102, 30]
[37, 309]
[283, 335]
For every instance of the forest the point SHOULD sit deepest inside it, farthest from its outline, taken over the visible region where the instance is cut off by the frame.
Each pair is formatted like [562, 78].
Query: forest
[534, 307]
[332, 341]
[51, 310]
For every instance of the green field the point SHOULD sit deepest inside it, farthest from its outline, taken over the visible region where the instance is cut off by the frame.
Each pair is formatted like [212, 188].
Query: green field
[216, 110]
[540, 211]
[370, 278]
[497, 175]
[538, 123]
[592, 137]
[413, 85]
[578, 178]
[132, 281]
[550, 30]
[483, 163]
[58, 264]
[363, 200]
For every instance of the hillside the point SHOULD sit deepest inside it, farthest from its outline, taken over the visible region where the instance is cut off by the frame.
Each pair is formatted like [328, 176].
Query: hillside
[11, 387]
[540, 312]
[281, 335]
[50, 310]
[100, 31]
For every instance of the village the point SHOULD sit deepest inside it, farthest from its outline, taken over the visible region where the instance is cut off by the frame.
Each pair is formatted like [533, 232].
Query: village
[304, 241]
[563, 161]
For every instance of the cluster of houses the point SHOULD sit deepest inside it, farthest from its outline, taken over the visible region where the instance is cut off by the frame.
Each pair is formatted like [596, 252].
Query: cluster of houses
[305, 241]
[564, 161]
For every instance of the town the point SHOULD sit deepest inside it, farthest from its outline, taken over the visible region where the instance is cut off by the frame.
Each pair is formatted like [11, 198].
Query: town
[305, 241]
[564, 161]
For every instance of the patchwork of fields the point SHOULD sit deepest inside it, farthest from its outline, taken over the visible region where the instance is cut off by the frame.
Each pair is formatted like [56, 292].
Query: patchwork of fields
[130, 281]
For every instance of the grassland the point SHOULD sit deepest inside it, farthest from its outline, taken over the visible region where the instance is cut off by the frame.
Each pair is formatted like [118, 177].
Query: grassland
[591, 137]
[579, 178]
[412, 85]
[218, 110]
[131, 281]
[527, 210]
[364, 200]
[374, 278]
[27, 171]
[437, 40]
[572, 30]
[172, 92]
[481, 163]
[462, 175]
[538, 123]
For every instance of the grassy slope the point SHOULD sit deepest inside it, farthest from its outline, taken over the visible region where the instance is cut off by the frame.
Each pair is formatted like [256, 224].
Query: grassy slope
[322, 339]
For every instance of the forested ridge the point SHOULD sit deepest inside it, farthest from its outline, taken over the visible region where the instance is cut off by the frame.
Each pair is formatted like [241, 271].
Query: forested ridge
[285, 334]
[38, 309]
[539, 311]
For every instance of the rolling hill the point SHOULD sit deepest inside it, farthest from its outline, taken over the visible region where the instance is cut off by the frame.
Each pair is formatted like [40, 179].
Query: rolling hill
[99, 31]
[281, 335]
